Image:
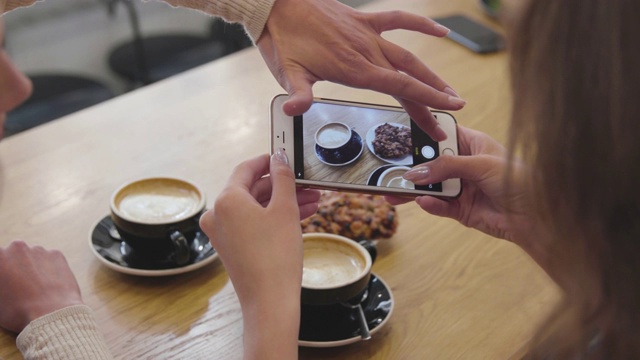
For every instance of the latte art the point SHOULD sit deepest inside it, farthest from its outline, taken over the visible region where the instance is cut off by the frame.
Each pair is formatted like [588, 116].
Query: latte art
[393, 178]
[158, 207]
[328, 267]
[400, 182]
[158, 201]
[333, 135]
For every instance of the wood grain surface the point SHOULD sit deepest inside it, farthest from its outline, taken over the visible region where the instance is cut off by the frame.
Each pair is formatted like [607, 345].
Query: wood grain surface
[458, 294]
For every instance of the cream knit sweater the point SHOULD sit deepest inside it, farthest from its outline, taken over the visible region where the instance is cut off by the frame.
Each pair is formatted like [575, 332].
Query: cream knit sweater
[252, 14]
[72, 333]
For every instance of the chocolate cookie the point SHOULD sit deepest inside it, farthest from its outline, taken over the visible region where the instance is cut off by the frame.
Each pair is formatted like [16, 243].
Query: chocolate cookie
[392, 142]
[356, 216]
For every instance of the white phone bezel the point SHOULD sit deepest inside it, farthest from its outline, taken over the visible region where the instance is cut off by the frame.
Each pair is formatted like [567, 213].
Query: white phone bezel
[282, 135]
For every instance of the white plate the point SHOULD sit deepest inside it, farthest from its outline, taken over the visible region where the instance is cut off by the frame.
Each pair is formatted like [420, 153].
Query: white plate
[371, 135]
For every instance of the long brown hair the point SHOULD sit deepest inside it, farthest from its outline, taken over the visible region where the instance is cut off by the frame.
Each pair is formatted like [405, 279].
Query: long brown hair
[575, 68]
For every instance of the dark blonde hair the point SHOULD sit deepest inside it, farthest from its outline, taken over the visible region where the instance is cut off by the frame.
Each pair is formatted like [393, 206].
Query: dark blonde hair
[575, 68]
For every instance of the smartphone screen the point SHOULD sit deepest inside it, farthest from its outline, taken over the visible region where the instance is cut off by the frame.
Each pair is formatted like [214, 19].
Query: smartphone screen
[348, 144]
[472, 34]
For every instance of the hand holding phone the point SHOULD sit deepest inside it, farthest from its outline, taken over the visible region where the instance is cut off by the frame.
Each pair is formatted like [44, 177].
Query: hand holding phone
[341, 145]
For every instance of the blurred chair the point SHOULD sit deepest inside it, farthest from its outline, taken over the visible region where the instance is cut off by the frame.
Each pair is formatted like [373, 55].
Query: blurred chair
[54, 96]
[232, 35]
[146, 59]
[162, 56]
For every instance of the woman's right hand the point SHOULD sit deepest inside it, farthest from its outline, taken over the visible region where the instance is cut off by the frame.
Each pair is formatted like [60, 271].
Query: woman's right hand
[484, 203]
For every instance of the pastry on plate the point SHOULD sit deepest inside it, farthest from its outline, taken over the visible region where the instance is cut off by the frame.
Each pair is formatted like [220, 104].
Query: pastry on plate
[356, 216]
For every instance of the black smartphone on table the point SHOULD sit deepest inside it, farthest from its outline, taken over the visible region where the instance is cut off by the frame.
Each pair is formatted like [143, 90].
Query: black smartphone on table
[471, 34]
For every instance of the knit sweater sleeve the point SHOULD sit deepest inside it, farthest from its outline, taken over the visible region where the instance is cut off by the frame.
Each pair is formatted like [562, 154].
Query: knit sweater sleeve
[70, 333]
[252, 14]
[12, 4]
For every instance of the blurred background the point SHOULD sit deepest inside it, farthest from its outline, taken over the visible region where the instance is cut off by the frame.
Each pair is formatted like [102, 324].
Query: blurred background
[82, 52]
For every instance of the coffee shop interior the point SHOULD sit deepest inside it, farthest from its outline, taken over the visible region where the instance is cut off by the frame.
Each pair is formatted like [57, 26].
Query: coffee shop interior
[131, 90]
[79, 53]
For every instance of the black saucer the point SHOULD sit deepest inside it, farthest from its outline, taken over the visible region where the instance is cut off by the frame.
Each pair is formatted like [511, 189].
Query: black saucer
[118, 255]
[336, 325]
[375, 175]
[343, 155]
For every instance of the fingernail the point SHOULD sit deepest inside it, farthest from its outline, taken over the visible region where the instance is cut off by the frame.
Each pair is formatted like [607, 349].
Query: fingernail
[451, 92]
[418, 173]
[281, 156]
[456, 101]
[442, 29]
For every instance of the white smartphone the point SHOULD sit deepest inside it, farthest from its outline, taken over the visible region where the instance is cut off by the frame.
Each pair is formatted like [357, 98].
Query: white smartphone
[357, 147]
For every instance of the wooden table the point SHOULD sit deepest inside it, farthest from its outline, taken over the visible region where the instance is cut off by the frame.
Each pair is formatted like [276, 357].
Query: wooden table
[459, 294]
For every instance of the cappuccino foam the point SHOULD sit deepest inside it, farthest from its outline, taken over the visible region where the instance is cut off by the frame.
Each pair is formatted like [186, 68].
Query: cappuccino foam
[393, 178]
[330, 266]
[158, 201]
[333, 135]
[400, 182]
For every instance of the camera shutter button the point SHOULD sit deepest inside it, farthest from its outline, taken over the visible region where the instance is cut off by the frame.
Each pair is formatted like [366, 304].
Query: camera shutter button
[428, 152]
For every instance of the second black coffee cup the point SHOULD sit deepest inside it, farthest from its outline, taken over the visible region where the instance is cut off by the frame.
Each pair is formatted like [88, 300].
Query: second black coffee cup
[336, 269]
[157, 216]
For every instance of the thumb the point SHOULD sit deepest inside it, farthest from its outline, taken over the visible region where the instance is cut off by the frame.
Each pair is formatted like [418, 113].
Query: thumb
[300, 93]
[282, 179]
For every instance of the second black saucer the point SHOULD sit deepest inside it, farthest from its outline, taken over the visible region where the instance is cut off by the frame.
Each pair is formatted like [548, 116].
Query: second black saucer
[337, 325]
[375, 175]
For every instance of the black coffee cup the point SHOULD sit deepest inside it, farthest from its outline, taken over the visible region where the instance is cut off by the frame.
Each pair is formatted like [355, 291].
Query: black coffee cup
[333, 136]
[336, 269]
[158, 217]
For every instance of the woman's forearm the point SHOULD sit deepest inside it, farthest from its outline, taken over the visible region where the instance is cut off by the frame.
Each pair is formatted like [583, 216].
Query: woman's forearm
[271, 326]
